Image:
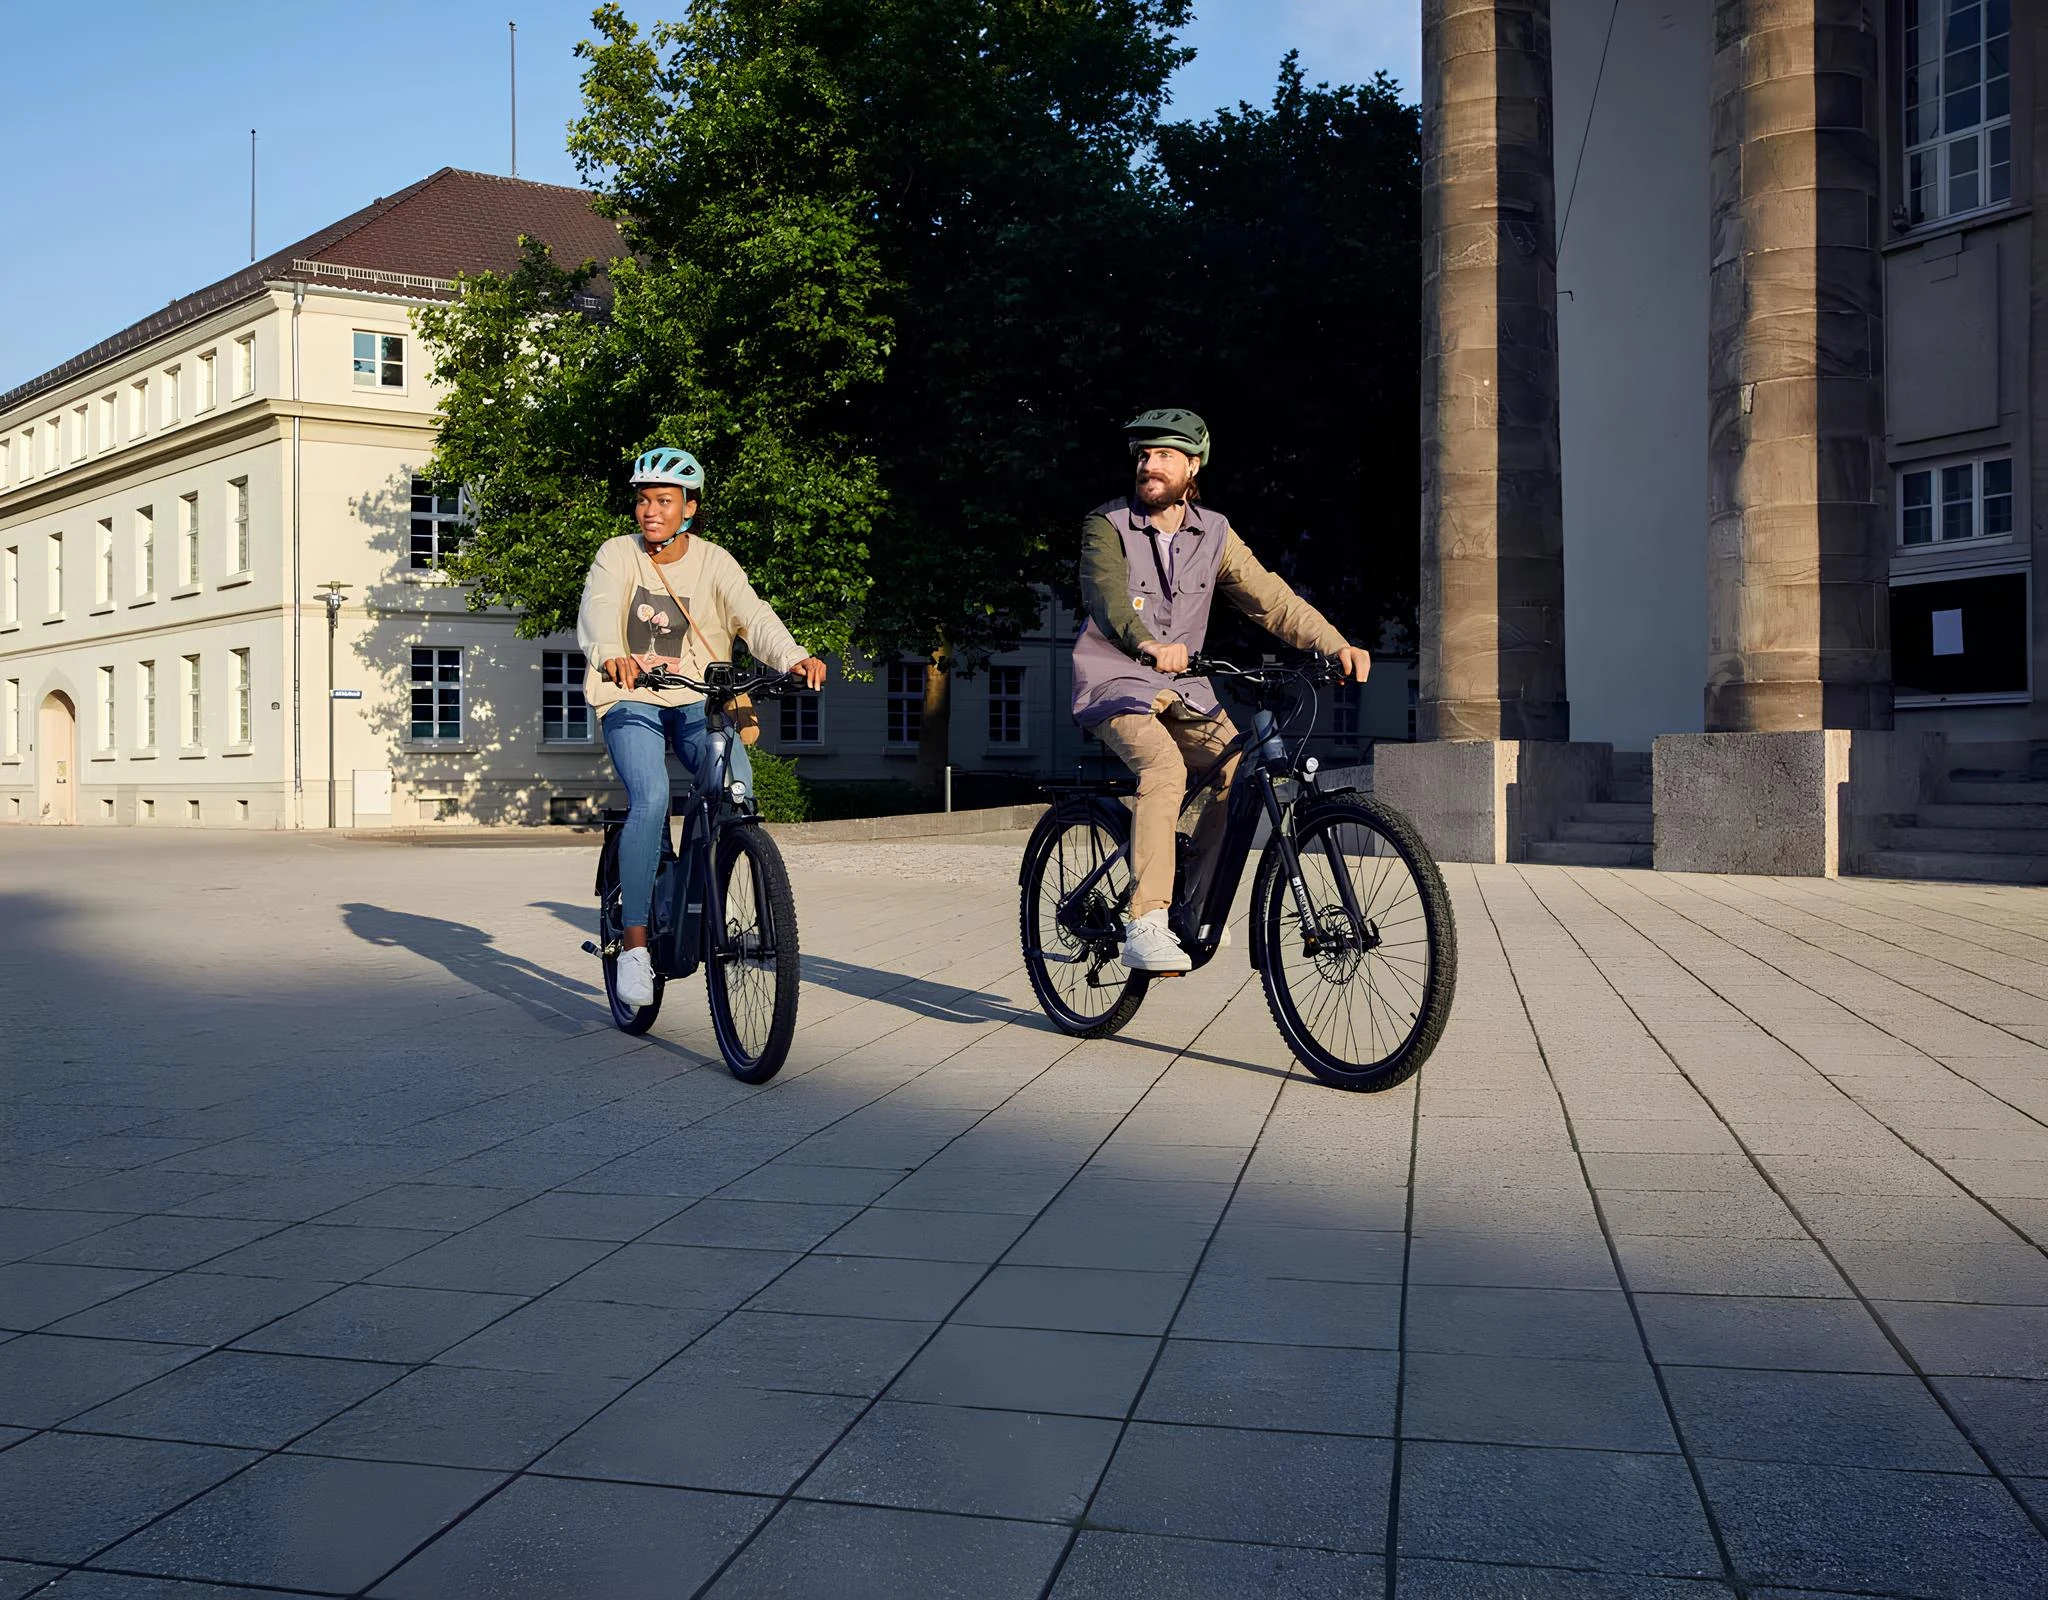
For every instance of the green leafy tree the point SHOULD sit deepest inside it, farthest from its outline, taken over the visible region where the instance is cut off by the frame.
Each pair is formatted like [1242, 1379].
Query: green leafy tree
[1293, 250]
[980, 159]
[745, 325]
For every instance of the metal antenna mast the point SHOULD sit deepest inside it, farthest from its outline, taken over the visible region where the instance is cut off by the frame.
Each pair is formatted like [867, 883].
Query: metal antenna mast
[514, 36]
[252, 194]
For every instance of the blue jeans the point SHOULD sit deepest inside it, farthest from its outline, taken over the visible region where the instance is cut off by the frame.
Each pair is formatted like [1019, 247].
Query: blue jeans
[639, 737]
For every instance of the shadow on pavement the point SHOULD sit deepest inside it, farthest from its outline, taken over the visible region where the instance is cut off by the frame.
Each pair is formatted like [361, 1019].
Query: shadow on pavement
[946, 1002]
[470, 954]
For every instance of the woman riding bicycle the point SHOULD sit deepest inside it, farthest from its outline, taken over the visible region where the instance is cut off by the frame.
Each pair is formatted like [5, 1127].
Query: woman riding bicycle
[665, 599]
[1150, 565]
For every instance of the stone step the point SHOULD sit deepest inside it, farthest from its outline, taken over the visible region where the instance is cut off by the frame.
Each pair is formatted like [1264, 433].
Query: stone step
[1964, 815]
[2010, 789]
[1960, 866]
[1585, 831]
[1577, 853]
[1613, 811]
[1628, 794]
[1977, 841]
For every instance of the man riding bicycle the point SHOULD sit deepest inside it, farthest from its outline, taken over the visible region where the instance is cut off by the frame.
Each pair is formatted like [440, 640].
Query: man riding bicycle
[1151, 564]
[665, 599]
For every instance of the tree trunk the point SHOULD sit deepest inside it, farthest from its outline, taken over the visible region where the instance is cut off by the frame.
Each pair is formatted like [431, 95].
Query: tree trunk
[935, 727]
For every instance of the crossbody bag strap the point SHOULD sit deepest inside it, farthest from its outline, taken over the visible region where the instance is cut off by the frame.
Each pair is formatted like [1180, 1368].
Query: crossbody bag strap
[710, 655]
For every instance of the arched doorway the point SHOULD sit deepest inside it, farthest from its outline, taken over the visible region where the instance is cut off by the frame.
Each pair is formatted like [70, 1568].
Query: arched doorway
[57, 759]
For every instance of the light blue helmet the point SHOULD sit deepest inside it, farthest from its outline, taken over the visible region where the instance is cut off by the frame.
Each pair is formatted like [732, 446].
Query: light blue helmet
[677, 468]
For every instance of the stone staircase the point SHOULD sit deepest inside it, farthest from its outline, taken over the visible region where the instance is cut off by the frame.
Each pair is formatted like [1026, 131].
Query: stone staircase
[1615, 832]
[1988, 822]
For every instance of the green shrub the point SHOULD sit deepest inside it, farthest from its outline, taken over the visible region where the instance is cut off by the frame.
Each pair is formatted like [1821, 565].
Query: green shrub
[778, 790]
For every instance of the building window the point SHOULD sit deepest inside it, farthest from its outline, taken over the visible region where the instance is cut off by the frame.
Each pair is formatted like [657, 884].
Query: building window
[436, 694]
[10, 716]
[245, 365]
[1005, 705]
[145, 551]
[243, 719]
[28, 454]
[203, 401]
[1956, 106]
[192, 704]
[188, 541]
[145, 703]
[564, 715]
[1344, 714]
[799, 719]
[106, 688]
[379, 360]
[906, 701]
[173, 396]
[51, 429]
[81, 432]
[110, 405]
[1957, 500]
[438, 524]
[103, 563]
[238, 524]
[138, 408]
[56, 564]
[10, 586]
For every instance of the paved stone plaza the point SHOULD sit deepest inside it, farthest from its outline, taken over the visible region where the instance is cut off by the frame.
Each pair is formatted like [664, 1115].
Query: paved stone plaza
[348, 1250]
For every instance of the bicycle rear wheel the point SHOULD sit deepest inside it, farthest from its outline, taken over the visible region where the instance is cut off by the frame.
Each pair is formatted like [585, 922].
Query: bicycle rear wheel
[1072, 959]
[1361, 1000]
[752, 965]
[611, 929]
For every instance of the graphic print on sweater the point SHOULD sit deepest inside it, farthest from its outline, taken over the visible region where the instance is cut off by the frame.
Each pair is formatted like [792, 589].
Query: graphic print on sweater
[656, 627]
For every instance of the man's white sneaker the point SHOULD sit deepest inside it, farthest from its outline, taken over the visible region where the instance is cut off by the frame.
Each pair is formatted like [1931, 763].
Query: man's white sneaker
[635, 977]
[1149, 945]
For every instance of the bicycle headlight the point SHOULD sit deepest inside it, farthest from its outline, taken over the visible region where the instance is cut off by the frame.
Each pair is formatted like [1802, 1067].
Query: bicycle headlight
[1310, 765]
[738, 791]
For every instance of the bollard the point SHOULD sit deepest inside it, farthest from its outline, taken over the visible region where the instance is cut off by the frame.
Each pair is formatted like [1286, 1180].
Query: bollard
[949, 788]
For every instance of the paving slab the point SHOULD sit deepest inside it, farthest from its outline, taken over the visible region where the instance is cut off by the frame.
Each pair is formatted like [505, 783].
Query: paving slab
[1717, 1184]
[545, 1537]
[873, 1553]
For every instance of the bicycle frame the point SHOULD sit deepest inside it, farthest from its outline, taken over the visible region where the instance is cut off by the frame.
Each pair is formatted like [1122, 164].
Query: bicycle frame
[1201, 908]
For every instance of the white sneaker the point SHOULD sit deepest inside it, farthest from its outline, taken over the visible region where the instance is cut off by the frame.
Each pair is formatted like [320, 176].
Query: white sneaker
[634, 979]
[1149, 945]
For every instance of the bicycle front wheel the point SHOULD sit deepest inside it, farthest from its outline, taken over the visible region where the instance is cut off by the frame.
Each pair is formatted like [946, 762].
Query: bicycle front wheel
[1361, 986]
[1071, 916]
[752, 965]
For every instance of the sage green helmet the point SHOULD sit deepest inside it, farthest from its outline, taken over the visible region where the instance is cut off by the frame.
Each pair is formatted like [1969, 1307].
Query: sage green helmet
[1177, 429]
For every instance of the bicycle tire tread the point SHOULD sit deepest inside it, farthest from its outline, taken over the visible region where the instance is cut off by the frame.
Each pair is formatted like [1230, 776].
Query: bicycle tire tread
[1443, 979]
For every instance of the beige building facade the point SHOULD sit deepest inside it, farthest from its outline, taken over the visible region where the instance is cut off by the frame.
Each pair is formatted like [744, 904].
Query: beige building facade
[1735, 398]
[176, 503]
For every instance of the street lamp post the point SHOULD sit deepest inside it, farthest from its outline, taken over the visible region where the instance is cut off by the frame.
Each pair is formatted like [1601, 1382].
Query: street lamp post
[331, 593]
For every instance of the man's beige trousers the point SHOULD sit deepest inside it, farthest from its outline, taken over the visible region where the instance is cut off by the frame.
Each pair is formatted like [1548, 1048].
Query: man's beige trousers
[1165, 750]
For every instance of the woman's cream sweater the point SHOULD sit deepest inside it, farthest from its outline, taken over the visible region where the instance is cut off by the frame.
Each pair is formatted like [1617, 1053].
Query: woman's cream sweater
[627, 611]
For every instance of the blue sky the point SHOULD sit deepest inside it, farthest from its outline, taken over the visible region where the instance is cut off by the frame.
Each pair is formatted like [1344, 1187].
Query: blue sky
[129, 121]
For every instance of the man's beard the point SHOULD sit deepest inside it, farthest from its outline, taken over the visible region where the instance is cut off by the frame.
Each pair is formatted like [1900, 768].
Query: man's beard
[1154, 492]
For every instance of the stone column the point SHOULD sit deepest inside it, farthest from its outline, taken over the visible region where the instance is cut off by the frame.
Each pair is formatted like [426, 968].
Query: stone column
[1797, 558]
[1492, 612]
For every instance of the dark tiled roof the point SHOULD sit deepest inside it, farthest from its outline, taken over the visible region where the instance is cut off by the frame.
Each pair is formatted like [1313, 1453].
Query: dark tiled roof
[449, 223]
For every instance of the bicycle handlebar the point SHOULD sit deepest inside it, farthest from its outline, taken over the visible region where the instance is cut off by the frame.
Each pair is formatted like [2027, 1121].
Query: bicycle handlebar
[1314, 668]
[724, 686]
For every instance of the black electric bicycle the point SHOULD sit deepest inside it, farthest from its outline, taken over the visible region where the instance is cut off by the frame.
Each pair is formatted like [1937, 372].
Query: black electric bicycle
[1351, 928]
[721, 898]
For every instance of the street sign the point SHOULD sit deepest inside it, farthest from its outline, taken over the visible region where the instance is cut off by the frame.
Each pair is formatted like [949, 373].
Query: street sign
[346, 694]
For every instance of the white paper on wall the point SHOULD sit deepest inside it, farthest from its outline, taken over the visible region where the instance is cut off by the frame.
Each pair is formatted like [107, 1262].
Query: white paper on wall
[1948, 633]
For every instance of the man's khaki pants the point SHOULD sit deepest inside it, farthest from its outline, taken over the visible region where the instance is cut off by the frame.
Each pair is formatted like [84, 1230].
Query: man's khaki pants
[1166, 749]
